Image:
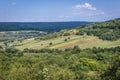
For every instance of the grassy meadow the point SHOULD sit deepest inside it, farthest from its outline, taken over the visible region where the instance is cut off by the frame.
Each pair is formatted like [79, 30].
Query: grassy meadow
[72, 40]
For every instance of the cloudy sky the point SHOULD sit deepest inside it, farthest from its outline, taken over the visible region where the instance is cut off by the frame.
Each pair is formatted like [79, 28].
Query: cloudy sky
[58, 10]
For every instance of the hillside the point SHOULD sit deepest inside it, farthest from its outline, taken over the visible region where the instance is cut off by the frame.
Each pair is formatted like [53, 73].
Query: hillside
[109, 30]
[39, 26]
[59, 40]
[65, 55]
[59, 43]
[104, 35]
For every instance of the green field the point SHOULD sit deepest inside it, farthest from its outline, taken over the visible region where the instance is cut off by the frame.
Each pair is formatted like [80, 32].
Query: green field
[59, 43]
[86, 42]
[36, 44]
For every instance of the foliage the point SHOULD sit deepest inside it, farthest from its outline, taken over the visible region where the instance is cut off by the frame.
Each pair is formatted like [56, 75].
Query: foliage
[39, 26]
[71, 64]
[19, 36]
[109, 30]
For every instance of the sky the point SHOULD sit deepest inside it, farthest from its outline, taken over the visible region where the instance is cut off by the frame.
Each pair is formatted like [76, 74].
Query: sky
[58, 10]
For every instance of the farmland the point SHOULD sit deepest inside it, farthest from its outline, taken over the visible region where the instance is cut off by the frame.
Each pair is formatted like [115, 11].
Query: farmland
[60, 43]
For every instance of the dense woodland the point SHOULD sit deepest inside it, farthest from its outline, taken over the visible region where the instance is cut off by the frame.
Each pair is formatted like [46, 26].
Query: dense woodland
[39, 26]
[109, 30]
[70, 64]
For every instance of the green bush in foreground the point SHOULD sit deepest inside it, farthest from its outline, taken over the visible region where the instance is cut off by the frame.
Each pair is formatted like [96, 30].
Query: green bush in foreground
[87, 64]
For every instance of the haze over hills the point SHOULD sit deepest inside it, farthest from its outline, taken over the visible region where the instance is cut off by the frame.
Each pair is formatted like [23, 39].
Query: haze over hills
[40, 26]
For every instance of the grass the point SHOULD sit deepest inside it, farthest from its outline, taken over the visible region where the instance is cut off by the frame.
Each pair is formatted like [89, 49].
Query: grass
[86, 42]
[2, 44]
[34, 44]
[59, 43]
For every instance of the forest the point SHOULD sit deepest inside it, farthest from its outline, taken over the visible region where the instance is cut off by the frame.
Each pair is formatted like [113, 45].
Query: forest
[39, 26]
[70, 64]
[109, 30]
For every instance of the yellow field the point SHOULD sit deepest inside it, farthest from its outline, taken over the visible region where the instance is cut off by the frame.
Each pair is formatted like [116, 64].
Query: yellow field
[87, 42]
[59, 43]
[35, 44]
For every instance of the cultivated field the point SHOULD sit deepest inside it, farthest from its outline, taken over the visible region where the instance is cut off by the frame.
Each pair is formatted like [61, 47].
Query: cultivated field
[73, 40]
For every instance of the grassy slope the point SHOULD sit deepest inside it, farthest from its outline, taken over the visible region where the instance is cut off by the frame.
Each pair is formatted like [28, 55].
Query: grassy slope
[34, 44]
[59, 43]
[86, 42]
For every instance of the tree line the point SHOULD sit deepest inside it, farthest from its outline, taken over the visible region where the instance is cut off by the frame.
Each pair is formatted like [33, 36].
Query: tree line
[109, 30]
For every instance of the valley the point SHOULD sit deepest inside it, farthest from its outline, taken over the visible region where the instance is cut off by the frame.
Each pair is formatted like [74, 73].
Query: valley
[88, 52]
[59, 40]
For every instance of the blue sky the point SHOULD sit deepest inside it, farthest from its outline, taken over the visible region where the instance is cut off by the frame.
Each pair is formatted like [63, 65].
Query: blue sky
[58, 10]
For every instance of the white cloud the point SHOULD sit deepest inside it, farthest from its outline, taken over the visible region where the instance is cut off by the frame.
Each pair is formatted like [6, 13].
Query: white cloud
[85, 6]
[87, 9]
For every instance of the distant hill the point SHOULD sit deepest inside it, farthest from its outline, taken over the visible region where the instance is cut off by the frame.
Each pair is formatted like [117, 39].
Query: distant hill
[117, 19]
[108, 30]
[40, 26]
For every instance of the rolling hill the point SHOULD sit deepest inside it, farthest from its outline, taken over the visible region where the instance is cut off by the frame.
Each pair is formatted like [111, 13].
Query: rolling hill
[108, 30]
[65, 55]
[40, 26]
[104, 35]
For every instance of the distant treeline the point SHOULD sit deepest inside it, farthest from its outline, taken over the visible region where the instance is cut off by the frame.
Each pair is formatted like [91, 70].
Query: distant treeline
[40, 26]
